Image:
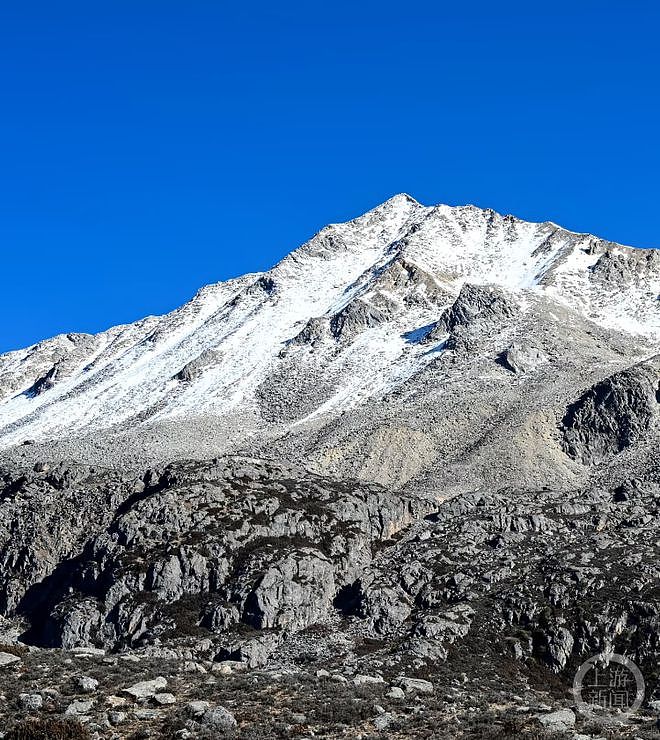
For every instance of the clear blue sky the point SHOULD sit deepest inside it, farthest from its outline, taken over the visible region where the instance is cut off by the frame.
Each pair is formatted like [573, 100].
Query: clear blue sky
[150, 147]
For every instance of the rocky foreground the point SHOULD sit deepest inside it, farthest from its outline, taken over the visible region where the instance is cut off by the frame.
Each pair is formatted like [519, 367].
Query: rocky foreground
[247, 598]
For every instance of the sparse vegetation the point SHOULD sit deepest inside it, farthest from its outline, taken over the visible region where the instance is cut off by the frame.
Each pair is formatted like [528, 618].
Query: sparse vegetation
[50, 728]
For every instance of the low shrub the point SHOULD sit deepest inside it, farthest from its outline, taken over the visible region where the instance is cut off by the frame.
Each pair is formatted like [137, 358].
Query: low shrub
[52, 728]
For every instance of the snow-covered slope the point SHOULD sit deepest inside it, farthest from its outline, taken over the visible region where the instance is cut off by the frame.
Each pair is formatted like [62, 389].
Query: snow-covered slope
[344, 318]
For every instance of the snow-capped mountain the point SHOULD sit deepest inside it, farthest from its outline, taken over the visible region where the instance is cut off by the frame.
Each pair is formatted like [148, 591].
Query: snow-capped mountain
[353, 315]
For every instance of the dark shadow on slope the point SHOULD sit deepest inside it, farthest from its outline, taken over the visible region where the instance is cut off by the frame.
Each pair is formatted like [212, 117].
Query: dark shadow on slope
[349, 599]
[418, 335]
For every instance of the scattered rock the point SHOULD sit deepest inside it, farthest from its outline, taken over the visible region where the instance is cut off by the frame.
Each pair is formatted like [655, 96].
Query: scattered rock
[79, 707]
[31, 702]
[116, 701]
[7, 659]
[87, 685]
[362, 680]
[147, 689]
[559, 721]
[218, 719]
[197, 708]
[383, 721]
[146, 715]
[415, 685]
[164, 699]
[116, 718]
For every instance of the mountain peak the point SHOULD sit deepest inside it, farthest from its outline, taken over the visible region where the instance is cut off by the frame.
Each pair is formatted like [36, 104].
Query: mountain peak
[330, 327]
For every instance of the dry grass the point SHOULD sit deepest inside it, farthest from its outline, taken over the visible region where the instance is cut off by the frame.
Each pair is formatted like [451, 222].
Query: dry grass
[53, 728]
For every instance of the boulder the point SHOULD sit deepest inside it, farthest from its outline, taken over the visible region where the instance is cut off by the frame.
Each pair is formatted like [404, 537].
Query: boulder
[415, 685]
[218, 719]
[560, 721]
[8, 659]
[147, 689]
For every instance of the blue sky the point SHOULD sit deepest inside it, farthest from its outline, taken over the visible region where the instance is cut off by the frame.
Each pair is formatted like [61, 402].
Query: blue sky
[148, 148]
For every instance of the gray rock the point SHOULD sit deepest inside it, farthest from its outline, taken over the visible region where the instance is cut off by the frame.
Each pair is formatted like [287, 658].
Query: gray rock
[195, 368]
[197, 708]
[7, 659]
[561, 720]
[218, 719]
[86, 684]
[147, 689]
[354, 318]
[79, 707]
[146, 715]
[164, 698]
[415, 685]
[613, 414]
[361, 680]
[116, 717]
[521, 359]
[295, 591]
[383, 721]
[31, 702]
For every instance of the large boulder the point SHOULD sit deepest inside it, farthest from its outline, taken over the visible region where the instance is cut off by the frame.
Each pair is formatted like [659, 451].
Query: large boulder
[613, 414]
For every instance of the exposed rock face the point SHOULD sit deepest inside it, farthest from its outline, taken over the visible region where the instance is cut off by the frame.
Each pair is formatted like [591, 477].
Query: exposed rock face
[478, 310]
[531, 567]
[221, 544]
[618, 269]
[383, 291]
[47, 363]
[314, 331]
[46, 518]
[411, 283]
[296, 590]
[476, 302]
[613, 414]
[205, 551]
[357, 316]
[194, 369]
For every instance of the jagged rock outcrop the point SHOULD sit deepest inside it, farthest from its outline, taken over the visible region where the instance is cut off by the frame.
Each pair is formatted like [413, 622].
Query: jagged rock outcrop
[476, 302]
[617, 269]
[532, 569]
[222, 543]
[357, 316]
[194, 369]
[408, 281]
[295, 589]
[47, 363]
[45, 520]
[613, 414]
[315, 330]
[478, 310]
[204, 551]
